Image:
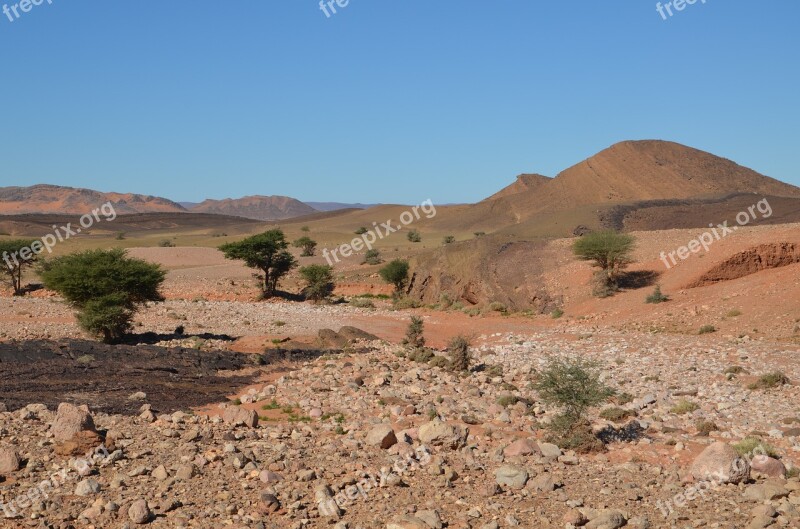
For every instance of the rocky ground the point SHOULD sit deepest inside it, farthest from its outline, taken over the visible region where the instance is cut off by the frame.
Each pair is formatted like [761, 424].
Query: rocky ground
[367, 438]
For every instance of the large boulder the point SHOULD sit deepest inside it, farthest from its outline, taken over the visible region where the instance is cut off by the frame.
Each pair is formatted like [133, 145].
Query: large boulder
[439, 433]
[720, 463]
[236, 416]
[768, 466]
[70, 420]
[521, 447]
[382, 436]
[511, 476]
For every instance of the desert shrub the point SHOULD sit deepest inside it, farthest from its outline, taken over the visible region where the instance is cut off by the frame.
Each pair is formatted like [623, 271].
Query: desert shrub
[414, 236]
[439, 361]
[707, 329]
[459, 353]
[166, 243]
[120, 236]
[395, 273]
[684, 406]
[266, 252]
[415, 334]
[362, 303]
[769, 381]
[15, 256]
[372, 257]
[734, 370]
[616, 414]
[752, 445]
[496, 306]
[448, 239]
[305, 229]
[623, 398]
[704, 428]
[601, 287]
[307, 244]
[573, 385]
[106, 286]
[608, 250]
[405, 303]
[557, 313]
[733, 313]
[361, 231]
[421, 355]
[479, 234]
[656, 297]
[318, 281]
[507, 400]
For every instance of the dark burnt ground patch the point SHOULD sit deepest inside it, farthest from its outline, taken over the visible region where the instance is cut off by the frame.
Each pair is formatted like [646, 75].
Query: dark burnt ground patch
[105, 376]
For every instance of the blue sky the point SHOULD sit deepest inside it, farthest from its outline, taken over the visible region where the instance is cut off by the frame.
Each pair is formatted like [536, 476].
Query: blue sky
[384, 101]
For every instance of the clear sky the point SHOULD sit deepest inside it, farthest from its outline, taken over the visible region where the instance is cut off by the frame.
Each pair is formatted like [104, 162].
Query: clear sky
[384, 101]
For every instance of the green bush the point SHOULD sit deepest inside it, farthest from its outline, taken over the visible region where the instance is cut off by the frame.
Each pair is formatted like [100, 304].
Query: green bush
[448, 239]
[166, 243]
[318, 281]
[656, 297]
[608, 250]
[479, 234]
[266, 252]
[362, 303]
[308, 245]
[361, 231]
[106, 286]
[684, 406]
[707, 329]
[395, 273]
[414, 236]
[752, 445]
[372, 257]
[439, 361]
[415, 334]
[573, 385]
[15, 256]
[557, 313]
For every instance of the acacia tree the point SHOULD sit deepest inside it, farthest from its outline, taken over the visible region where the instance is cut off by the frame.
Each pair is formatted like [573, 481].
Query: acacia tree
[15, 256]
[608, 250]
[266, 252]
[396, 273]
[307, 244]
[106, 286]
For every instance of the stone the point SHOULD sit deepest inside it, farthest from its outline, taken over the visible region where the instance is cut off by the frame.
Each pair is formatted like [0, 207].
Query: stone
[607, 519]
[70, 420]
[512, 476]
[160, 473]
[79, 444]
[237, 416]
[550, 450]
[439, 433]
[720, 463]
[521, 447]
[770, 490]
[139, 513]
[407, 522]
[382, 436]
[87, 487]
[768, 466]
[431, 518]
[9, 461]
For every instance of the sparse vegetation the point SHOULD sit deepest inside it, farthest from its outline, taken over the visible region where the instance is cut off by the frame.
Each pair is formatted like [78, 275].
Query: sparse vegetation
[105, 286]
[395, 273]
[15, 256]
[318, 281]
[769, 381]
[657, 297]
[448, 239]
[266, 252]
[414, 236]
[616, 414]
[460, 358]
[684, 406]
[573, 385]
[704, 428]
[507, 400]
[362, 303]
[372, 257]
[305, 229]
[307, 244]
[479, 234]
[166, 243]
[415, 334]
[361, 231]
[496, 306]
[608, 250]
[557, 313]
[707, 329]
[753, 446]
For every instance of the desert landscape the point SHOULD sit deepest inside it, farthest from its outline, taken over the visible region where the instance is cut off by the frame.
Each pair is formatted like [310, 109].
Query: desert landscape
[400, 265]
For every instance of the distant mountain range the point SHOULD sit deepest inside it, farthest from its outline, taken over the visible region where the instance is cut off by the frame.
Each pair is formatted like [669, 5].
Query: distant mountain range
[50, 199]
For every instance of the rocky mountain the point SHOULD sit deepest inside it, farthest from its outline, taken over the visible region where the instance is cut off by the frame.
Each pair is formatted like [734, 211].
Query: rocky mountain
[45, 198]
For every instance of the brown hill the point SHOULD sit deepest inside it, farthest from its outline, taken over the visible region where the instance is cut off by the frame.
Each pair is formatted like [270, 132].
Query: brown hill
[256, 207]
[524, 183]
[639, 171]
[69, 200]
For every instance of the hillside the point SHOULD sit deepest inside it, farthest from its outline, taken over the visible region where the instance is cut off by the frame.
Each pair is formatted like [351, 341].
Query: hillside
[45, 198]
[256, 207]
